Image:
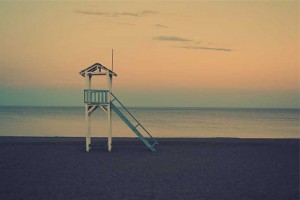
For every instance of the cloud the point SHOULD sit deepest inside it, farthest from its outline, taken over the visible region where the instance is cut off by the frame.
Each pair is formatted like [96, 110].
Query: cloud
[117, 14]
[126, 14]
[190, 44]
[171, 38]
[92, 13]
[206, 48]
[160, 26]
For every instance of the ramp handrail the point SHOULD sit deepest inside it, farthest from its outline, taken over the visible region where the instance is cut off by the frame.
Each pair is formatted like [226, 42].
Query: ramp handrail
[139, 124]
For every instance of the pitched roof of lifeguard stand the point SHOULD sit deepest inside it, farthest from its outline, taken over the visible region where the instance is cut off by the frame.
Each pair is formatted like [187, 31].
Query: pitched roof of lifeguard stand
[94, 67]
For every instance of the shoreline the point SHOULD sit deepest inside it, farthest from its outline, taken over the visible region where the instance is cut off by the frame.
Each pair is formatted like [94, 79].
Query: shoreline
[177, 140]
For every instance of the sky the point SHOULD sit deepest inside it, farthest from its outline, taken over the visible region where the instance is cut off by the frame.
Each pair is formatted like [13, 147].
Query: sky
[166, 53]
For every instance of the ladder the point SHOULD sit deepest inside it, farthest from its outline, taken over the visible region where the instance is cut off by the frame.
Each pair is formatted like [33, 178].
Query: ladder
[149, 141]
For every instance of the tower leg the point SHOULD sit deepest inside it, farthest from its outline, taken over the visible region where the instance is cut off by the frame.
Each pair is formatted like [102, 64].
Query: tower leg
[109, 142]
[88, 80]
[88, 129]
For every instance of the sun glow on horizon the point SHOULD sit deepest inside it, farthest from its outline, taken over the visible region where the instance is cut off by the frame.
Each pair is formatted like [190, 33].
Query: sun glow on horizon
[228, 47]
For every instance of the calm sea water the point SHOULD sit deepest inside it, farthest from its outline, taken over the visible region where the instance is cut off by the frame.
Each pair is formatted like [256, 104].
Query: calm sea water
[160, 122]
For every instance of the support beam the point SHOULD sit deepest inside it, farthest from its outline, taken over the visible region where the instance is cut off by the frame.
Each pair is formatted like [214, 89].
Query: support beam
[109, 116]
[92, 109]
[88, 129]
[87, 116]
[97, 73]
[104, 108]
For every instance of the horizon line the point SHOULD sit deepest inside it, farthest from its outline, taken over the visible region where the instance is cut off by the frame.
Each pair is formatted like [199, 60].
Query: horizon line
[209, 107]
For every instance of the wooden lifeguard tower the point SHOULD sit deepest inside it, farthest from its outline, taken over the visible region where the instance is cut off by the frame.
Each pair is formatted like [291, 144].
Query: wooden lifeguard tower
[107, 101]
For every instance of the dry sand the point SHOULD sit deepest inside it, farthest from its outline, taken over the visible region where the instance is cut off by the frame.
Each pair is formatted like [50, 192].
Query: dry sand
[58, 168]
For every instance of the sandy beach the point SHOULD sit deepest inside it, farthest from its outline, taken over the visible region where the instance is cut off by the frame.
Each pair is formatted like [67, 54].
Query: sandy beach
[59, 168]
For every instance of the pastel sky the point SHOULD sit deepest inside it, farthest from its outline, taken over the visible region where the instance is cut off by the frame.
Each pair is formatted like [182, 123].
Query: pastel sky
[167, 53]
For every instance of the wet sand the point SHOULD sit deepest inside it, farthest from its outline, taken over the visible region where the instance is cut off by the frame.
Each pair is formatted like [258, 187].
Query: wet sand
[221, 168]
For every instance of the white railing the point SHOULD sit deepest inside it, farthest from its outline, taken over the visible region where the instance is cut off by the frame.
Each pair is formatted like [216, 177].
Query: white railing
[96, 96]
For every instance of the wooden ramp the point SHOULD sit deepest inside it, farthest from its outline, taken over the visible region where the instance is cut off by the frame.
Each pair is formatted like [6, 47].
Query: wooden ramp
[133, 124]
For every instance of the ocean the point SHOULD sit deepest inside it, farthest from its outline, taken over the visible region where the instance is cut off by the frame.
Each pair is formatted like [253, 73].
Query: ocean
[160, 122]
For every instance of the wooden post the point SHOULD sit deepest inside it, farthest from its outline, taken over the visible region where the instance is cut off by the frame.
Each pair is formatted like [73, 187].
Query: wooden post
[87, 116]
[109, 116]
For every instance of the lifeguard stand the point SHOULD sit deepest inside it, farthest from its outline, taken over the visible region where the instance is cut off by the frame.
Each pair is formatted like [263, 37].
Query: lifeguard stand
[107, 101]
